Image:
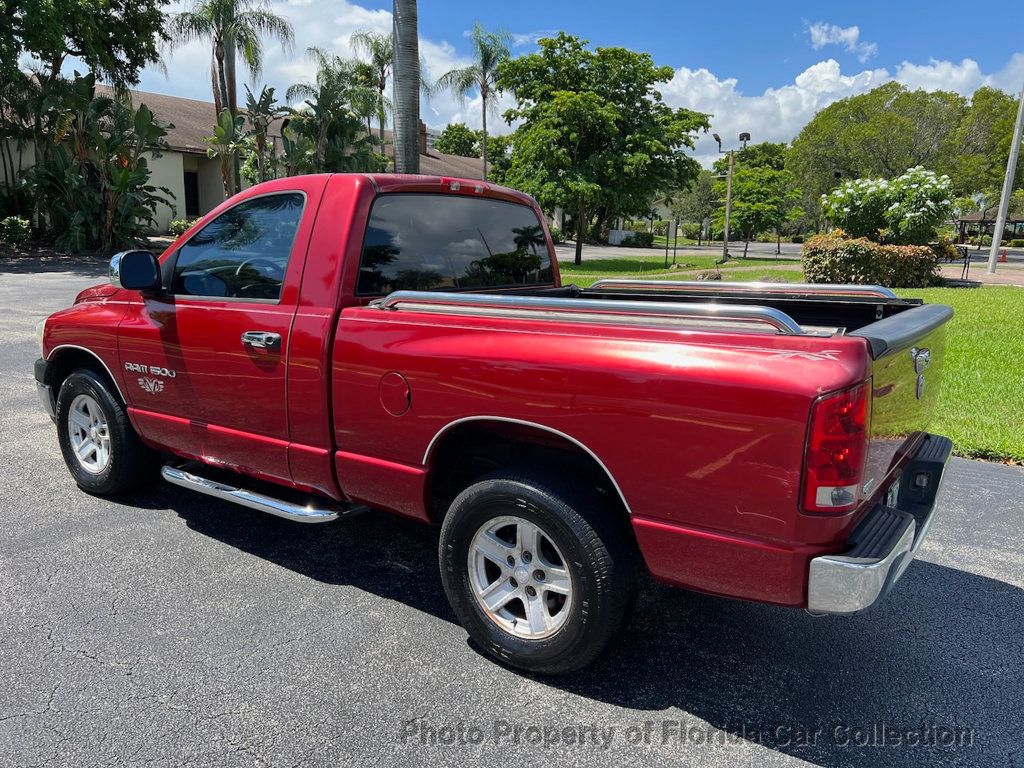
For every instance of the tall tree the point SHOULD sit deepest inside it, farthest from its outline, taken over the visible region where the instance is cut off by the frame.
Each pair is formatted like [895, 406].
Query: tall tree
[457, 139]
[233, 27]
[380, 50]
[326, 135]
[406, 84]
[489, 50]
[595, 135]
[699, 202]
[115, 39]
[877, 134]
[762, 199]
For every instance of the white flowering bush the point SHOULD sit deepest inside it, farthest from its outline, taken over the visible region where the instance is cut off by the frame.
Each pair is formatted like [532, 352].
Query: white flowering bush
[905, 210]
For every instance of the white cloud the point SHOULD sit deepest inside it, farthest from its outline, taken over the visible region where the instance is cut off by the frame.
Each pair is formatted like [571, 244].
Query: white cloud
[823, 34]
[779, 113]
[519, 39]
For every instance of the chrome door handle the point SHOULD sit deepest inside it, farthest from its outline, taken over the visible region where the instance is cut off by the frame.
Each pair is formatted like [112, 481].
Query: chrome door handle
[261, 339]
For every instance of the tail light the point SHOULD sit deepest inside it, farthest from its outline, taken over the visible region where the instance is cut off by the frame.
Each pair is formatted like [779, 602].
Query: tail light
[837, 445]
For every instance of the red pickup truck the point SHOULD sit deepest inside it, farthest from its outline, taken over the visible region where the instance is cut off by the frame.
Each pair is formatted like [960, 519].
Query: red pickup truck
[323, 344]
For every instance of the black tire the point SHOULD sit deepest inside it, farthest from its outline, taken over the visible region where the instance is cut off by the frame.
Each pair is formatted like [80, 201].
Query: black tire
[131, 464]
[595, 545]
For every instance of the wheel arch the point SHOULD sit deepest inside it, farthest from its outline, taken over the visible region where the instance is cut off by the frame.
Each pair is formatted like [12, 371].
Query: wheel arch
[468, 448]
[67, 358]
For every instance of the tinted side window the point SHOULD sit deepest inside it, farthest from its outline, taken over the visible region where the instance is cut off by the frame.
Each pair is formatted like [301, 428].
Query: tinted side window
[438, 242]
[243, 253]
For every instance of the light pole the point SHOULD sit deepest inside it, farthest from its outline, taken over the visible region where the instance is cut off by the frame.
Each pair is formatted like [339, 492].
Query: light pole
[744, 137]
[1004, 201]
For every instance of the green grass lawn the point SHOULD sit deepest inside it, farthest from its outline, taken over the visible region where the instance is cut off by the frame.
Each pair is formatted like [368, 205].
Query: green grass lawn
[981, 405]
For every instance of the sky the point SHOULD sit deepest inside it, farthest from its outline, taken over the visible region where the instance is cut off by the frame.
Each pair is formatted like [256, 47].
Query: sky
[761, 67]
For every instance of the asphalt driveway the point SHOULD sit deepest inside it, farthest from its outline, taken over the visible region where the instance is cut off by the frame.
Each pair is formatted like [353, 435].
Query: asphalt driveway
[171, 629]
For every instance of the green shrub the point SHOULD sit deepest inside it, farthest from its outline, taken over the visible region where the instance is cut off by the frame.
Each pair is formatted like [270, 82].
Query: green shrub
[796, 239]
[831, 259]
[1017, 243]
[636, 226]
[179, 227]
[639, 240]
[690, 230]
[15, 230]
[556, 235]
[904, 210]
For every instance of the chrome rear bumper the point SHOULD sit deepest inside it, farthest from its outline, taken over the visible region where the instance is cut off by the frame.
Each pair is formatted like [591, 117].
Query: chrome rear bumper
[885, 542]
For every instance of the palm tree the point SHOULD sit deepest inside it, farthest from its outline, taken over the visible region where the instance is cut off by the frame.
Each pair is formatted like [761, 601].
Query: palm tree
[380, 49]
[233, 27]
[489, 49]
[406, 87]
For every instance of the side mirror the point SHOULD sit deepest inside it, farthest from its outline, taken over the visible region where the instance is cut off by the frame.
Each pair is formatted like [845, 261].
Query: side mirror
[135, 270]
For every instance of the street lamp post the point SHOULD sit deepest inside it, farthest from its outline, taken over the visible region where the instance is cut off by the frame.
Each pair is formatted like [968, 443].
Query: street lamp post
[1004, 200]
[744, 137]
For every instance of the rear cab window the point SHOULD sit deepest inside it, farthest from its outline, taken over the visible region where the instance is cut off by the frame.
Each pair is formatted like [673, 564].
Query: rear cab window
[421, 242]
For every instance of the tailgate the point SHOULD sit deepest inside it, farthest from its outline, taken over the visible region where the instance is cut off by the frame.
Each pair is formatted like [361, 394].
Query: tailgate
[907, 352]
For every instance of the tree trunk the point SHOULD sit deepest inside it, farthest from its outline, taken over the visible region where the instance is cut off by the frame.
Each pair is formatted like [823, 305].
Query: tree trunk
[406, 76]
[581, 226]
[778, 242]
[230, 67]
[746, 244]
[483, 143]
[218, 99]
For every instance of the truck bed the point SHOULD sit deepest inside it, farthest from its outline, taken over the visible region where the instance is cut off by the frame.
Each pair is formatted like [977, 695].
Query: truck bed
[872, 312]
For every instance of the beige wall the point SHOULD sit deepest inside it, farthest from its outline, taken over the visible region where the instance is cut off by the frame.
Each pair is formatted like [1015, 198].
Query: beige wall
[167, 172]
[22, 160]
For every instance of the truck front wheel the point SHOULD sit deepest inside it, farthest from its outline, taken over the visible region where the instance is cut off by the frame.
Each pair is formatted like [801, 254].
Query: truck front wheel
[536, 570]
[100, 447]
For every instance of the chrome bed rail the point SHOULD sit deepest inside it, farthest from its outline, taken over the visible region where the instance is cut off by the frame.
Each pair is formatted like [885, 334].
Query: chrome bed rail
[718, 287]
[658, 314]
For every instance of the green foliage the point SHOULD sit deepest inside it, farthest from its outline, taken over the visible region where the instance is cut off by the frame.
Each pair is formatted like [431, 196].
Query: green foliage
[763, 199]
[260, 113]
[595, 136]
[1017, 243]
[639, 240]
[115, 39]
[906, 210]
[796, 239]
[380, 50]
[179, 227]
[881, 133]
[14, 230]
[689, 230]
[490, 50]
[326, 135]
[831, 259]
[556, 235]
[92, 191]
[699, 202]
[457, 139]
[767, 154]
[877, 134]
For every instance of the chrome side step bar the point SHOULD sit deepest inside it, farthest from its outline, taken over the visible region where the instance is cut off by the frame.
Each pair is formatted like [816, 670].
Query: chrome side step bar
[254, 500]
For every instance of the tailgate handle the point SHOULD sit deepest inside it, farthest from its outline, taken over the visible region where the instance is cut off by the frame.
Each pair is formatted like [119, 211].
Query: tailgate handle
[261, 339]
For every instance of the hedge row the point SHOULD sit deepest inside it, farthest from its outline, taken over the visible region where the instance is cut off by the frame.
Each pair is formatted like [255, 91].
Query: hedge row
[831, 259]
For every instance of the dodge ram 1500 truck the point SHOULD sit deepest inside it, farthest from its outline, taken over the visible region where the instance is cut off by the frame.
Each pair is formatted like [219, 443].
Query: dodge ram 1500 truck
[323, 344]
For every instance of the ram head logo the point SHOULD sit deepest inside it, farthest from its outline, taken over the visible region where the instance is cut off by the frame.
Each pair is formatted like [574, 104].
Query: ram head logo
[151, 385]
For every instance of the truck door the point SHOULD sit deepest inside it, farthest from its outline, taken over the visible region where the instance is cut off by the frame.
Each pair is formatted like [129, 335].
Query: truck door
[206, 361]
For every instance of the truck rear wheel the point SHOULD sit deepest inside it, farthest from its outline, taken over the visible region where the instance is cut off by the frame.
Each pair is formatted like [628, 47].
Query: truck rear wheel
[100, 447]
[536, 570]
